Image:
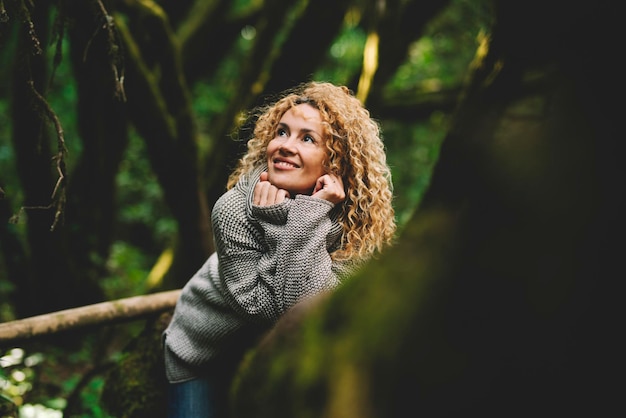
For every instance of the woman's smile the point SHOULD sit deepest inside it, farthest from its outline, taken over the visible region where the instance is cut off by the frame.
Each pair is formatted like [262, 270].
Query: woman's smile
[279, 163]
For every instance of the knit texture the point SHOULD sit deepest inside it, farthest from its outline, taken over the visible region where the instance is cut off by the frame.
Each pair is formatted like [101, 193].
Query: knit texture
[267, 259]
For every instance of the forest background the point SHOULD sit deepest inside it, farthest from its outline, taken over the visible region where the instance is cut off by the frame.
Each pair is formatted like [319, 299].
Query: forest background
[120, 121]
[143, 161]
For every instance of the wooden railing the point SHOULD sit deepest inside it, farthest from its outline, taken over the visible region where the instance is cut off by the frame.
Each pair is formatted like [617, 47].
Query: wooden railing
[121, 310]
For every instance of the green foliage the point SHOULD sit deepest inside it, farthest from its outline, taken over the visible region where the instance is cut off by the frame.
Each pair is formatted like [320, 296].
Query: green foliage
[17, 374]
[412, 153]
[140, 196]
[345, 55]
[128, 267]
[439, 59]
[52, 380]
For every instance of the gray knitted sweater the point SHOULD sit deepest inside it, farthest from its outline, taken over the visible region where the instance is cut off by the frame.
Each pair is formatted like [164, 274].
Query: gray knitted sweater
[266, 260]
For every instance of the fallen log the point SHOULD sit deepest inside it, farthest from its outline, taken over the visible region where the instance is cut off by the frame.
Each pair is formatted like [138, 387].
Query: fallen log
[116, 311]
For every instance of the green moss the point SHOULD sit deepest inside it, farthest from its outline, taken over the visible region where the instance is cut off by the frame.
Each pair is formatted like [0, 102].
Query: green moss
[136, 387]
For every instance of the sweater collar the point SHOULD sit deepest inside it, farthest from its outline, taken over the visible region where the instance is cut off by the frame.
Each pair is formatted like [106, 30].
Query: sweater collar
[247, 182]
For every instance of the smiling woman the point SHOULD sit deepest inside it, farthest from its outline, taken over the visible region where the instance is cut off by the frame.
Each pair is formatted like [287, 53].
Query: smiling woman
[302, 213]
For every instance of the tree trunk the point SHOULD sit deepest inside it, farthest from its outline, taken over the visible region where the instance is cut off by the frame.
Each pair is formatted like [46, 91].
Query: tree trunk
[103, 131]
[160, 109]
[51, 269]
[497, 297]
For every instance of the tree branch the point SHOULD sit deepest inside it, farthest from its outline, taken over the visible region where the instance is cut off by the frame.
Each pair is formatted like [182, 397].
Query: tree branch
[121, 310]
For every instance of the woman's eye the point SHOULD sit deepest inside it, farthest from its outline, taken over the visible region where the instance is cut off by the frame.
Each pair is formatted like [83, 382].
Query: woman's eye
[308, 138]
[281, 132]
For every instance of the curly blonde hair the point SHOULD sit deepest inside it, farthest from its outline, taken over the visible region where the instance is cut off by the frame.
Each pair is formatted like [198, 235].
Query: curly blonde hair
[355, 152]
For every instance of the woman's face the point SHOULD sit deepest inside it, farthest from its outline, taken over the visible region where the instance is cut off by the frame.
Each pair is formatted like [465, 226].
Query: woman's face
[295, 157]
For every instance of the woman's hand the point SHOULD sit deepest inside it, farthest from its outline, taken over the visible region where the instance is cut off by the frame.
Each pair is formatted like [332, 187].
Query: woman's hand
[329, 187]
[266, 194]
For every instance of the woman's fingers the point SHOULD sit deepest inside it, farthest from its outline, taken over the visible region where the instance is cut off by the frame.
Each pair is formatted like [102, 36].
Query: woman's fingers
[265, 194]
[330, 187]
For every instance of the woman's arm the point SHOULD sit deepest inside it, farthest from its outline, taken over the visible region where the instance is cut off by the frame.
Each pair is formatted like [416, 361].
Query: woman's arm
[300, 250]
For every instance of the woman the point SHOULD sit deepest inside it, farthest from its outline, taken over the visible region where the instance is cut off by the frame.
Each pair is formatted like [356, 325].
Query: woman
[307, 204]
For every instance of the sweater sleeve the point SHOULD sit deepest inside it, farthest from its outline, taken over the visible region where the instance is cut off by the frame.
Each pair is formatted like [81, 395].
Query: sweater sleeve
[298, 260]
[270, 262]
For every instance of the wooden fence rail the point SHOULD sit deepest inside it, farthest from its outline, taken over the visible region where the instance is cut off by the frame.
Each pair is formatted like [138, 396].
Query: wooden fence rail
[121, 310]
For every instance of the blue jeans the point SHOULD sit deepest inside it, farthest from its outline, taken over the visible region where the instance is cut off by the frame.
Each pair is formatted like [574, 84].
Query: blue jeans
[204, 397]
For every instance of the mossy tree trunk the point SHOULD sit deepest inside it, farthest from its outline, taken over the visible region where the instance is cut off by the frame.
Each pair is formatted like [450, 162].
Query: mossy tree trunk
[497, 299]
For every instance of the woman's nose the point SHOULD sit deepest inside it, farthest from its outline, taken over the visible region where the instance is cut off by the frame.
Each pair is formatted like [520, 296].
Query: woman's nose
[289, 144]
